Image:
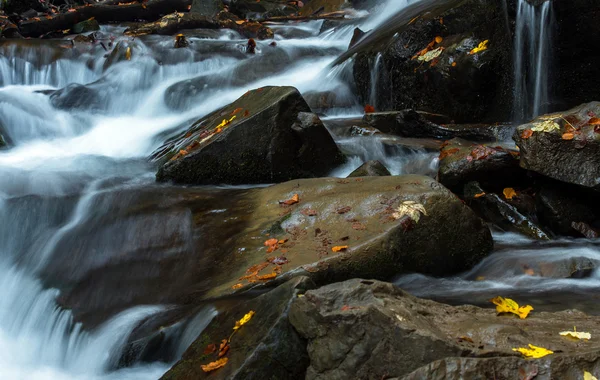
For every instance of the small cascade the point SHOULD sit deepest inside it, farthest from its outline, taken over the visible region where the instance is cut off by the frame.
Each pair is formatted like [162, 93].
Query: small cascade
[532, 59]
[374, 81]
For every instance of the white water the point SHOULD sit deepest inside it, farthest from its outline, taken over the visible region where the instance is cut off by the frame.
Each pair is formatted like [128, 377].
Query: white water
[65, 162]
[532, 59]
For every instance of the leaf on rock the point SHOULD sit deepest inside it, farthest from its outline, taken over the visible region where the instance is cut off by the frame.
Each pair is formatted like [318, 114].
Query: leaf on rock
[343, 210]
[576, 335]
[267, 277]
[588, 376]
[244, 320]
[479, 195]
[431, 55]
[448, 152]
[526, 134]
[339, 248]
[568, 136]
[411, 209]
[369, 108]
[209, 349]
[594, 121]
[223, 348]
[506, 305]
[545, 126]
[509, 193]
[237, 286]
[481, 47]
[214, 365]
[293, 200]
[309, 212]
[533, 351]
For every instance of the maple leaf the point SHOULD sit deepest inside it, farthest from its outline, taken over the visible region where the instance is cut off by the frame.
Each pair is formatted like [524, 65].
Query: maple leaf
[534, 351]
[244, 320]
[214, 365]
[411, 209]
[576, 335]
[509, 193]
[506, 305]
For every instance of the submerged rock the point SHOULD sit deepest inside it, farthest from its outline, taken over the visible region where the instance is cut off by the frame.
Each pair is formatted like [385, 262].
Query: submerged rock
[268, 135]
[370, 329]
[564, 146]
[370, 169]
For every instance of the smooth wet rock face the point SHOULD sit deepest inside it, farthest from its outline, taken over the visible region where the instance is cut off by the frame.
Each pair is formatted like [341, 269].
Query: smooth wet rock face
[468, 87]
[90, 25]
[370, 169]
[76, 97]
[372, 330]
[267, 347]
[208, 8]
[268, 135]
[569, 151]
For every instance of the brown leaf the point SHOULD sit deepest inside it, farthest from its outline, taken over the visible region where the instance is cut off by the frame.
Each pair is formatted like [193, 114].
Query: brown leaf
[568, 136]
[343, 210]
[358, 226]
[526, 134]
[214, 365]
[223, 348]
[479, 195]
[447, 152]
[209, 349]
[267, 277]
[293, 200]
[594, 121]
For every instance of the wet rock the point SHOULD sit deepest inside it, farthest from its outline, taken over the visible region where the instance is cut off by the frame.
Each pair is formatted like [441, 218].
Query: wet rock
[462, 161]
[412, 123]
[570, 149]
[267, 347]
[250, 9]
[90, 25]
[75, 96]
[119, 53]
[496, 210]
[181, 41]
[322, 101]
[208, 8]
[370, 169]
[467, 87]
[370, 329]
[268, 135]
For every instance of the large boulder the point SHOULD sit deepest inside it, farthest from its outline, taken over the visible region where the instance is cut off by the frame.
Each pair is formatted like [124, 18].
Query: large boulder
[267, 135]
[564, 146]
[267, 347]
[453, 79]
[373, 330]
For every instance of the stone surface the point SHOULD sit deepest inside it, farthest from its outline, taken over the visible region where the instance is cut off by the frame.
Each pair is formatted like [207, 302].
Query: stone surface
[370, 329]
[370, 169]
[575, 160]
[208, 8]
[271, 137]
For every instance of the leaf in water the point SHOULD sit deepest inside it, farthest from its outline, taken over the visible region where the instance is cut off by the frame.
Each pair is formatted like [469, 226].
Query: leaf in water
[481, 47]
[128, 54]
[509, 193]
[293, 200]
[506, 305]
[546, 126]
[339, 248]
[244, 320]
[411, 209]
[576, 335]
[533, 351]
[526, 134]
[214, 365]
[588, 376]
[431, 55]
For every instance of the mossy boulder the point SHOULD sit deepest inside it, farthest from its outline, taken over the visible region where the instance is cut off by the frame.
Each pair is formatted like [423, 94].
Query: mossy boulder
[268, 135]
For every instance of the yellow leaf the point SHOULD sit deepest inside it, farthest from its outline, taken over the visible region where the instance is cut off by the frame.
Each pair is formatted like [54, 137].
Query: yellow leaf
[214, 365]
[128, 54]
[576, 335]
[411, 209]
[431, 55]
[588, 376]
[481, 47]
[545, 126]
[509, 193]
[506, 305]
[533, 351]
[339, 248]
[244, 320]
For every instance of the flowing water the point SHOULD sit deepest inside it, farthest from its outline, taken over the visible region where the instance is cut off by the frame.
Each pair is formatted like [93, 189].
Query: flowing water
[75, 170]
[532, 59]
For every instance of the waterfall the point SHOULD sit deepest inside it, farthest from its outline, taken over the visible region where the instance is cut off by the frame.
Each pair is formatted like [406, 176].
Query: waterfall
[532, 59]
[374, 81]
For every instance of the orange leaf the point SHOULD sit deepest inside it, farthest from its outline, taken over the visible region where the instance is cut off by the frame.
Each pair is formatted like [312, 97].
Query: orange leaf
[271, 242]
[568, 136]
[509, 193]
[439, 39]
[209, 349]
[293, 200]
[526, 134]
[266, 277]
[339, 248]
[214, 365]
[240, 22]
[594, 121]
[448, 152]
[235, 111]
[369, 108]
[453, 64]
[479, 195]
[236, 286]
[223, 348]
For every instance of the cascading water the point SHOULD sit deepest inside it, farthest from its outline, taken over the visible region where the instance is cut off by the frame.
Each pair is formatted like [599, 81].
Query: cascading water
[374, 80]
[532, 59]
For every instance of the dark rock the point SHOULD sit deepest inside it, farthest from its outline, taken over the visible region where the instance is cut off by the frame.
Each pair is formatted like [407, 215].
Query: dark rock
[322, 101]
[22, 6]
[412, 123]
[494, 209]
[462, 161]
[372, 330]
[356, 36]
[208, 8]
[181, 41]
[272, 137]
[467, 87]
[250, 9]
[370, 169]
[575, 160]
[119, 53]
[75, 96]
[90, 25]
[267, 347]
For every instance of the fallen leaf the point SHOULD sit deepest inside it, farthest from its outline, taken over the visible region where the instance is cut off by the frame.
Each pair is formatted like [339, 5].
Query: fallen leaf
[293, 200]
[309, 212]
[271, 242]
[533, 351]
[545, 126]
[439, 39]
[267, 277]
[128, 54]
[568, 136]
[343, 210]
[479, 195]
[339, 248]
[223, 348]
[576, 335]
[465, 339]
[594, 121]
[526, 134]
[240, 22]
[369, 108]
[447, 152]
[237, 286]
[214, 365]
[509, 193]
[358, 226]
[453, 64]
[506, 305]
[209, 349]
[588, 376]
[244, 320]
[411, 209]
[235, 111]
[481, 47]
[431, 55]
